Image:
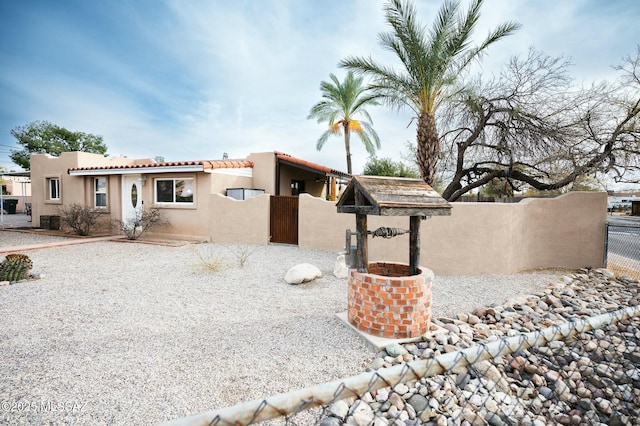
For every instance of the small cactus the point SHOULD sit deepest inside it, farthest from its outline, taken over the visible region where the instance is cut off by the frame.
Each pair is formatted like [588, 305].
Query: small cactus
[15, 267]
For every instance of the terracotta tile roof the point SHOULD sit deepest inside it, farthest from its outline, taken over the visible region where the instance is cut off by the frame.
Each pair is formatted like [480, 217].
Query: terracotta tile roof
[324, 169]
[206, 165]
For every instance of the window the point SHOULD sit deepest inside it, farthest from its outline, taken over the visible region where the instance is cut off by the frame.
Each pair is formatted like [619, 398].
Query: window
[174, 191]
[100, 192]
[53, 186]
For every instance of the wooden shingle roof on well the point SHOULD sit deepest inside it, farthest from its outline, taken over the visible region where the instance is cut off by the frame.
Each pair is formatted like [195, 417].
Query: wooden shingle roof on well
[392, 196]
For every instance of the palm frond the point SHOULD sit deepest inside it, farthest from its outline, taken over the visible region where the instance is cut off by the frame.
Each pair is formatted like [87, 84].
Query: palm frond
[366, 114]
[366, 141]
[407, 40]
[322, 139]
[321, 111]
[501, 31]
[387, 83]
[363, 101]
[371, 135]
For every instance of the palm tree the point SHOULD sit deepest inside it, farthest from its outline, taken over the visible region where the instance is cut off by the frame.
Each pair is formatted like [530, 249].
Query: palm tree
[433, 60]
[341, 103]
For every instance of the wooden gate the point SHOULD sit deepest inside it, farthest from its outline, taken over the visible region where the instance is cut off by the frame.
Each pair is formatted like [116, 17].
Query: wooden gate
[284, 219]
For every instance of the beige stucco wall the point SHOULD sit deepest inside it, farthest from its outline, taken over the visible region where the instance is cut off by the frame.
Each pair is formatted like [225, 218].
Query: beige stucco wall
[220, 182]
[478, 238]
[264, 171]
[188, 221]
[239, 222]
[567, 231]
[72, 188]
[210, 217]
[319, 226]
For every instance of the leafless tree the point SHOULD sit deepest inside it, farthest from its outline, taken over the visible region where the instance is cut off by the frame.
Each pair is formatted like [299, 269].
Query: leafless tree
[532, 126]
[82, 219]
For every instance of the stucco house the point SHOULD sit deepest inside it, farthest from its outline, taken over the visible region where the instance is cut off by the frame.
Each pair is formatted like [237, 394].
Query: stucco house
[562, 232]
[184, 191]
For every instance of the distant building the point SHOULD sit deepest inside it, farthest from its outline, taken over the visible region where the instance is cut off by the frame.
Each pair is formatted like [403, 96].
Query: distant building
[622, 200]
[16, 185]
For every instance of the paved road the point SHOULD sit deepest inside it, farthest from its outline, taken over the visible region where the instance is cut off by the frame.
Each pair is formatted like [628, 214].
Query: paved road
[624, 236]
[623, 220]
[15, 220]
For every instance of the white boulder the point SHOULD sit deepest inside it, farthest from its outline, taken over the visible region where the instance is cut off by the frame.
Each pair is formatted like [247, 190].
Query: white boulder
[340, 269]
[302, 273]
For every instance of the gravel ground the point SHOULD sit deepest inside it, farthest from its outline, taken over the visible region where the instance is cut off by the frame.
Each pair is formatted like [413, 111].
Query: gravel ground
[11, 238]
[128, 333]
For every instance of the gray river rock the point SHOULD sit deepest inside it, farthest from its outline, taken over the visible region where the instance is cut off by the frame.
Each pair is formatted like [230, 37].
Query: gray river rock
[588, 378]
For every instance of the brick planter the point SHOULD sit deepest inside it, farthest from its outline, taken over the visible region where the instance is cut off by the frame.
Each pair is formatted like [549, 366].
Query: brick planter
[386, 302]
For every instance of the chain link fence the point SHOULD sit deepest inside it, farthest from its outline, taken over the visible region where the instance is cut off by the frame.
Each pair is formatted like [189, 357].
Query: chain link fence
[582, 372]
[622, 251]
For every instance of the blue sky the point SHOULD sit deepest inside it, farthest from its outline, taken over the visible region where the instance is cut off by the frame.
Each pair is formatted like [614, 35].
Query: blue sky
[191, 80]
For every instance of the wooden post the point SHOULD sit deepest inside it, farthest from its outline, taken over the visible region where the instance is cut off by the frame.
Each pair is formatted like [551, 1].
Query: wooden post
[362, 252]
[414, 244]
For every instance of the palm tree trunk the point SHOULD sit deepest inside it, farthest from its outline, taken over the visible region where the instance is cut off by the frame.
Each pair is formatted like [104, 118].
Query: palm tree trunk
[428, 147]
[347, 145]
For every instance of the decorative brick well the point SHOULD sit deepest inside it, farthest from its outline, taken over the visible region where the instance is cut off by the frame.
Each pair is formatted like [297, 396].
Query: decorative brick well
[388, 302]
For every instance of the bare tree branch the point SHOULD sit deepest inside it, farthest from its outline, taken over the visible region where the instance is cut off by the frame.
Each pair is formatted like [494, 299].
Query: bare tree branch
[533, 126]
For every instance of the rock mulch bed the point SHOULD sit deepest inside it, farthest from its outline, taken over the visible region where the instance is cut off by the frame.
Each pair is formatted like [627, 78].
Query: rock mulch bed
[589, 379]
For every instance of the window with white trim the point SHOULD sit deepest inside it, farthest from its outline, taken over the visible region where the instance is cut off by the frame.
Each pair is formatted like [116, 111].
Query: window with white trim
[100, 192]
[174, 191]
[53, 189]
